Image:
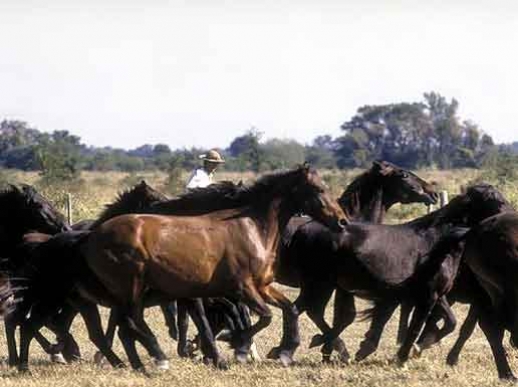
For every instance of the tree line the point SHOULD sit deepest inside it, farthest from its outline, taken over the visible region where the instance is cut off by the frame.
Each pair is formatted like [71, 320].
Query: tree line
[411, 134]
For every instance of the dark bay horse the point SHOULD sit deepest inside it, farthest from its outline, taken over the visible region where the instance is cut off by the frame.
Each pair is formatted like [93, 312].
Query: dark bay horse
[234, 237]
[491, 253]
[367, 198]
[377, 262]
[465, 285]
[25, 210]
[487, 281]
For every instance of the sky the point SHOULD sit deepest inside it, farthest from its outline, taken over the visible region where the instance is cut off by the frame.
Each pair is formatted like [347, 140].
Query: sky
[200, 73]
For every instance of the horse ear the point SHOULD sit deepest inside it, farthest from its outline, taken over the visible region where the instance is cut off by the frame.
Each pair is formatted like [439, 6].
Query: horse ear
[382, 167]
[28, 190]
[142, 183]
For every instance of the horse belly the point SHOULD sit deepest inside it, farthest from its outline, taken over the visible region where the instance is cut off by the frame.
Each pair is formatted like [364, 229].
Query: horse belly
[188, 264]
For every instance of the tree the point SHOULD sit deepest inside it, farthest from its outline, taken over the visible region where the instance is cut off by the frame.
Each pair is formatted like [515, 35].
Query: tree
[411, 135]
[321, 153]
[247, 152]
[58, 156]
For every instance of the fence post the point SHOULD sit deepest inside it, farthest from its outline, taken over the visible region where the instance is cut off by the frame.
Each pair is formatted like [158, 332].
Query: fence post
[443, 198]
[69, 208]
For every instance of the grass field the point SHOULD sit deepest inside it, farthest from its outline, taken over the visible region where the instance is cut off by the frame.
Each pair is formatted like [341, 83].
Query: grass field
[476, 366]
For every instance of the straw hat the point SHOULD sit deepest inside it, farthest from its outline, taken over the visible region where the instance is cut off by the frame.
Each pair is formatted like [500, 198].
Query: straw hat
[212, 156]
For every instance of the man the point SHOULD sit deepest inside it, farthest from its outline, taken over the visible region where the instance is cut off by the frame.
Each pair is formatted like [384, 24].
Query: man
[202, 176]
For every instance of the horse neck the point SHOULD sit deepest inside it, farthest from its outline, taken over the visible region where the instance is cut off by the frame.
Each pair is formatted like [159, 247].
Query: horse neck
[272, 219]
[368, 204]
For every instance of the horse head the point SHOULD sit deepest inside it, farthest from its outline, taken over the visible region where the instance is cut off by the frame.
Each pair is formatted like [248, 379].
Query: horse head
[403, 186]
[312, 197]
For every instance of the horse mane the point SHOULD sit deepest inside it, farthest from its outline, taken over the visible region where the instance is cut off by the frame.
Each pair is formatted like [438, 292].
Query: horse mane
[488, 193]
[488, 199]
[227, 195]
[10, 193]
[358, 184]
[129, 201]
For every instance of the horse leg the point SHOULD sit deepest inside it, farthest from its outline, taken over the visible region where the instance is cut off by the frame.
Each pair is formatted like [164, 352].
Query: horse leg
[315, 298]
[128, 342]
[431, 333]
[466, 330]
[291, 337]
[169, 310]
[234, 317]
[422, 309]
[253, 298]
[183, 348]
[208, 343]
[109, 335]
[344, 312]
[92, 319]
[381, 313]
[10, 334]
[494, 332]
[60, 325]
[244, 314]
[404, 316]
[147, 338]
[71, 350]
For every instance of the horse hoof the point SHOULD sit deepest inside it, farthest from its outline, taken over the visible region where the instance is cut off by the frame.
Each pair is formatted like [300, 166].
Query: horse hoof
[416, 351]
[316, 341]
[254, 353]
[366, 349]
[345, 359]
[24, 369]
[274, 353]
[221, 364]
[57, 358]
[286, 360]
[162, 365]
[241, 358]
[98, 358]
[142, 370]
[452, 360]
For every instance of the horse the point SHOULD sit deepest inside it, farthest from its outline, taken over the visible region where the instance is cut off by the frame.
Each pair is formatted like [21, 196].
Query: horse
[377, 262]
[234, 237]
[25, 210]
[463, 288]
[487, 282]
[368, 198]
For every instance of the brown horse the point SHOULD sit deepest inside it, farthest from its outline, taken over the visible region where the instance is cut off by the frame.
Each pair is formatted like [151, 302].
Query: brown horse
[368, 198]
[226, 249]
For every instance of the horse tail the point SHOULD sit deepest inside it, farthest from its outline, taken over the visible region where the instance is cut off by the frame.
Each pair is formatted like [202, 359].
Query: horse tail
[366, 314]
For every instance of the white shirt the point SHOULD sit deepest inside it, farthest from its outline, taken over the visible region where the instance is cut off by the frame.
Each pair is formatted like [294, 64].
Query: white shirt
[199, 179]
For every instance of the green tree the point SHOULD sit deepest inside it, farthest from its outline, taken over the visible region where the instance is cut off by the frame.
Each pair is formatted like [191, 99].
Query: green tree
[58, 156]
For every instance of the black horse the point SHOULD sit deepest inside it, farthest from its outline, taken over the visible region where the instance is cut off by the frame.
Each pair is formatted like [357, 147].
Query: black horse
[25, 210]
[367, 198]
[488, 256]
[387, 264]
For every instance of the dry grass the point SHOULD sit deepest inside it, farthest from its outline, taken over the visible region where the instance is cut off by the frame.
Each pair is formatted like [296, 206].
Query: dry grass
[476, 367]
